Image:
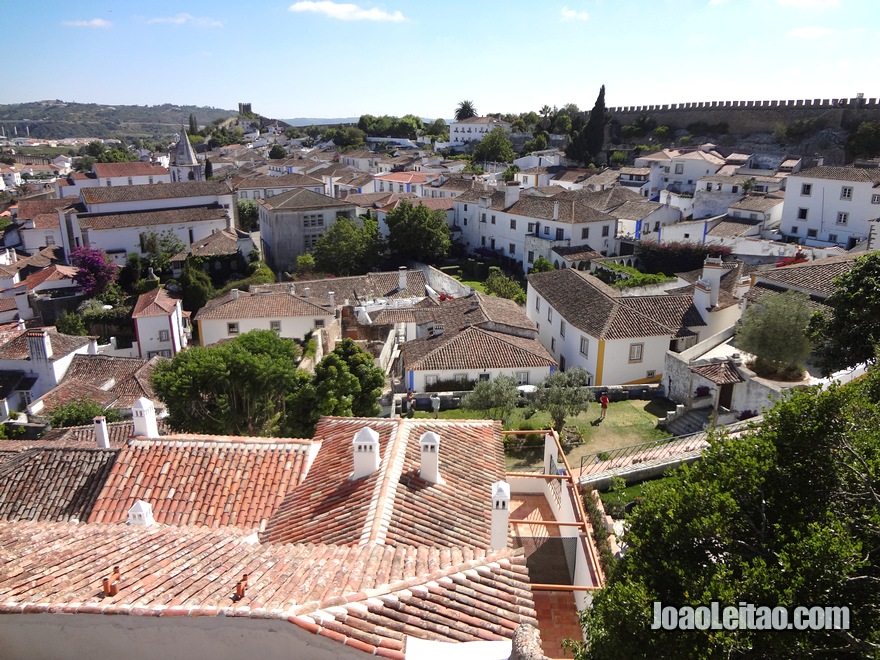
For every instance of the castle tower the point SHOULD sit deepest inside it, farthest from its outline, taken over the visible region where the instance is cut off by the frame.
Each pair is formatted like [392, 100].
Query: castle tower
[184, 164]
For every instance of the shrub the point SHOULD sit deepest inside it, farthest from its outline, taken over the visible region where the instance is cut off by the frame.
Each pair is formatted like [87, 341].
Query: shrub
[80, 412]
[746, 414]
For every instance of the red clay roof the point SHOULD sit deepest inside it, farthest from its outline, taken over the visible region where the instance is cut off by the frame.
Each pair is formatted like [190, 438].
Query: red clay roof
[370, 597]
[154, 303]
[474, 348]
[128, 169]
[128, 379]
[203, 481]
[16, 348]
[394, 505]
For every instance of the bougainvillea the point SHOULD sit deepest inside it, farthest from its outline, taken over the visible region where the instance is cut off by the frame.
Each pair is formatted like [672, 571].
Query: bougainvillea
[96, 271]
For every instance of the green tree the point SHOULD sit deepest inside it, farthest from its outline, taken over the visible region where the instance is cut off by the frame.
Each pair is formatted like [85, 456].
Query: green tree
[864, 142]
[196, 287]
[246, 386]
[788, 515]
[160, 247]
[193, 124]
[496, 146]
[80, 412]
[248, 214]
[510, 173]
[348, 248]
[541, 265]
[277, 152]
[496, 397]
[537, 143]
[209, 169]
[418, 233]
[305, 264]
[564, 394]
[499, 284]
[594, 131]
[69, 323]
[774, 331]
[439, 129]
[465, 110]
[618, 158]
[851, 333]
[370, 377]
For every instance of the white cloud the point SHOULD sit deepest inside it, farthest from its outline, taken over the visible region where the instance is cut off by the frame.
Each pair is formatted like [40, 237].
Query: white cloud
[182, 19]
[574, 14]
[718, 2]
[94, 22]
[810, 4]
[344, 11]
[811, 32]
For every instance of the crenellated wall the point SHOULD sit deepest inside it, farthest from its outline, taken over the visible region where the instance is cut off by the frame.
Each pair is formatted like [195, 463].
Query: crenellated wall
[753, 116]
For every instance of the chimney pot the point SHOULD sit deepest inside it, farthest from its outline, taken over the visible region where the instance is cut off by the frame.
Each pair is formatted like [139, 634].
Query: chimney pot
[332, 296]
[141, 514]
[366, 453]
[233, 295]
[500, 515]
[143, 414]
[401, 278]
[102, 437]
[429, 469]
[306, 292]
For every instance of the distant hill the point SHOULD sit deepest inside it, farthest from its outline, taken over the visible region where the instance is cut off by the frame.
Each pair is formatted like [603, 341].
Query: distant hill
[321, 121]
[59, 119]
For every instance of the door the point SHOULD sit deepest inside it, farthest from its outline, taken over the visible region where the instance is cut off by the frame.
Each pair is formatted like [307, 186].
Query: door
[725, 396]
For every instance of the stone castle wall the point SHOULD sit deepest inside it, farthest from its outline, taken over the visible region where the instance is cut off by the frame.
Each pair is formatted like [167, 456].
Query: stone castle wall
[754, 116]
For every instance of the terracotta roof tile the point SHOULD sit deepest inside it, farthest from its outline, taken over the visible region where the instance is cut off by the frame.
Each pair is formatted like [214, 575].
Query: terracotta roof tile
[184, 215]
[731, 227]
[16, 346]
[813, 276]
[840, 173]
[363, 287]
[157, 302]
[116, 194]
[128, 169]
[301, 199]
[261, 305]
[127, 379]
[721, 373]
[203, 481]
[53, 484]
[474, 348]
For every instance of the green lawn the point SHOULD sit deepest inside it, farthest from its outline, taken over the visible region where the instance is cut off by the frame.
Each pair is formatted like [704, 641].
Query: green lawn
[626, 423]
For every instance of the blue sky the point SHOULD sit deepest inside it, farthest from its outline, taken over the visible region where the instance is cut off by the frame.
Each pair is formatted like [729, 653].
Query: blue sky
[319, 58]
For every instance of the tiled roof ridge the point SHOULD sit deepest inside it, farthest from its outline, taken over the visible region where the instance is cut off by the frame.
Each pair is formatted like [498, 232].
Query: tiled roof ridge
[385, 490]
[198, 440]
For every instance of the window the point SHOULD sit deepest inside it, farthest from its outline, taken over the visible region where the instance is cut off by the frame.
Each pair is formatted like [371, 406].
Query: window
[561, 363]
[484, 376]
[537, 301]
[513, 224]
[151, 179]
[559, 235]
[794, 230]
[164, 335]
[812, 233]
[553, 344]
[130, 182]
[511, 248]
[522, 377]
[531, 227]
[802, 214]
[753, 216]
[875, 199]
[275, 325]
[460, 377]
[842, 217]
[585, 233]
[430, 379]
[232, 328]
[550, 314]
[50, 239]
[319, 323]
[465, 221]
[734, 189]
[585, 346]
[708, 186]
[546, 231]
[635, 352]
[483, 217]
[846, 192]
[832, 238]
[806, 189]
[493, 219]
[531, 257]
[605, 231]
[483, 241]
[679, 168]
[465, 207]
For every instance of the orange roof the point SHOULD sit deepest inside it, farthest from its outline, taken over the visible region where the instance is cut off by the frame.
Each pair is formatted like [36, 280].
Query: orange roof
[203, 480]
[154, 303]
[394, 505]
[403, 177]
[128, 169]
[54, 273]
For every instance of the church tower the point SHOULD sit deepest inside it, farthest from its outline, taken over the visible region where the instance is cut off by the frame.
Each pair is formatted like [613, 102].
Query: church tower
[184, 164]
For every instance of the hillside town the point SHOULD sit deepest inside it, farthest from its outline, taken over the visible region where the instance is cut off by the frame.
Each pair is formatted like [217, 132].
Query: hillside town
[278, 388]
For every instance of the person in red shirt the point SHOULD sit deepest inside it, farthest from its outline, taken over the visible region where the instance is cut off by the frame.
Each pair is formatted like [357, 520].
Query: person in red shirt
[603, 401]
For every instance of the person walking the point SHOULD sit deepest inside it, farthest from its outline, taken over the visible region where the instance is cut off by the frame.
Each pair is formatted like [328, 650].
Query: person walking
[603, 402]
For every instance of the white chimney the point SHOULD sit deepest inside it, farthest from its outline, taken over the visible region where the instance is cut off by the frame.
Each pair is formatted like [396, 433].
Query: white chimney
[39, 345]
[366, 453]
[306, 292]
[291, 289]
[20, 325]
[511, 193]
[233, 295]
[332, 296]
[101, 435]
[143, 414]
[401, 278]
[713, 270]
[141, 514]
[429, 469]
[500, 515]
[556, 210]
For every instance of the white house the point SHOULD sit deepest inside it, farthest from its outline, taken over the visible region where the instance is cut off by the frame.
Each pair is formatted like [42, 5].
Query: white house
[291, 316]
[831, 205]
[474, 129]
[112, 174]
[678, 170]
[160, 324]
[261, 187]
[42, 356]
[620, 339]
